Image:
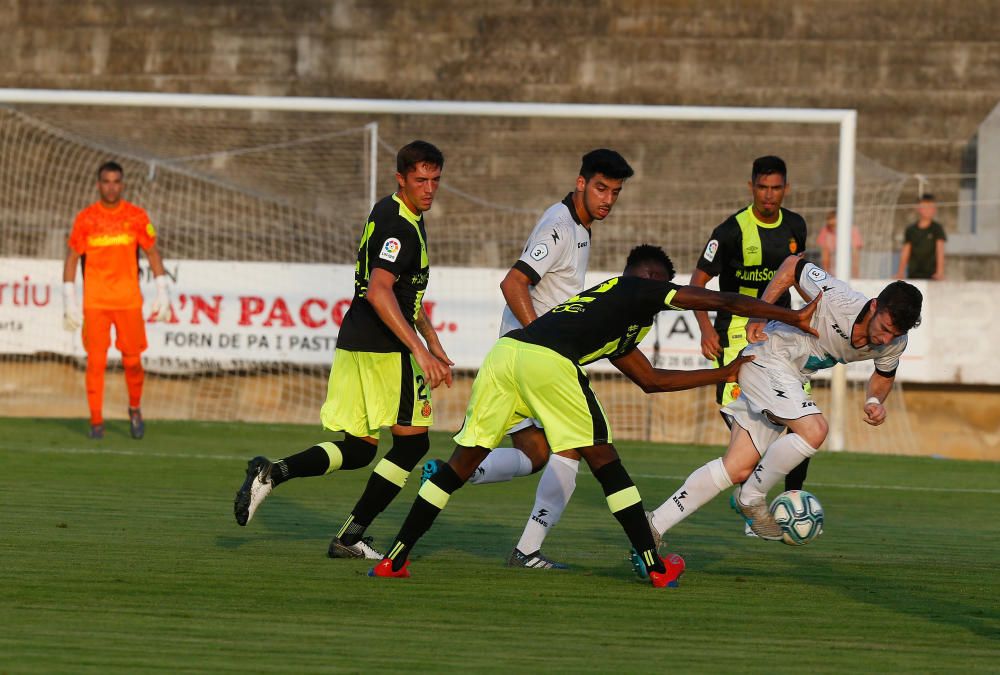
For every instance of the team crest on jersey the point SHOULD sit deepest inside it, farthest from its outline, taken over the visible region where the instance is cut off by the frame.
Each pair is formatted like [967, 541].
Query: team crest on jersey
[711, 250]
[390, 249]
[425, 410]
[793, 246]
[150, 230]
[817, 274]
[539, 252]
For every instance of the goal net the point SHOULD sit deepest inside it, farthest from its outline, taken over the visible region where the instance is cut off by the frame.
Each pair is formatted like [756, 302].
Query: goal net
[258, 214]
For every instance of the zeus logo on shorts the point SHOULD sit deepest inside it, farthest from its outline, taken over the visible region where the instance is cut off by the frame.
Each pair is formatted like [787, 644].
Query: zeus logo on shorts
[390, 249]
[711, 250]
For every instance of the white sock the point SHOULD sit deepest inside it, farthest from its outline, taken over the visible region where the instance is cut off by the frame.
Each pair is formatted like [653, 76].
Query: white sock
[501, 465]
[554, 490]
[700, 487]
[782, 456]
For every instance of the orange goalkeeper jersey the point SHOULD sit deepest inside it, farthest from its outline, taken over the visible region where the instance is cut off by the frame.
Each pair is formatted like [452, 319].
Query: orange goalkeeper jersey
[108, 238]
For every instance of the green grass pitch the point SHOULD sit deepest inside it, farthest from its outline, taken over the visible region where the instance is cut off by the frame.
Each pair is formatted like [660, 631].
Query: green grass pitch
[124, 556]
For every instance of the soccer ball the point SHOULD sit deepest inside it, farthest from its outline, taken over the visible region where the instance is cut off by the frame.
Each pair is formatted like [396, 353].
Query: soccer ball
[800, 516]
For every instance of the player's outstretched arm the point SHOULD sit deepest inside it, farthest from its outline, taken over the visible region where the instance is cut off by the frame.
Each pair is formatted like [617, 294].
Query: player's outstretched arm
[689, 297]
[878, 390]
[711, 347]
[636, 367]
[383, 301]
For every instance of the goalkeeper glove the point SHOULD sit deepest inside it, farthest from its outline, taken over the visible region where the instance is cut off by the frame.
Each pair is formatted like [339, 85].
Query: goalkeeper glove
[72, 316]
[161, 306]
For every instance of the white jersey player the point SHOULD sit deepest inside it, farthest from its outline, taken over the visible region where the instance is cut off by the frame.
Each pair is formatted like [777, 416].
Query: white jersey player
[551, 269]
[850, 327]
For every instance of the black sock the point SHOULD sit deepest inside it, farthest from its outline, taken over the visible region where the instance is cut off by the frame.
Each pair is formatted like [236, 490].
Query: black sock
[315, 460]
[425, 509]
[626, 506]
[384, 484]
[796, 478]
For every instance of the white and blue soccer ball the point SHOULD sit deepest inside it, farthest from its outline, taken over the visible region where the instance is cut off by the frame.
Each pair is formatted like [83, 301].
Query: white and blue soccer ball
[800, 516]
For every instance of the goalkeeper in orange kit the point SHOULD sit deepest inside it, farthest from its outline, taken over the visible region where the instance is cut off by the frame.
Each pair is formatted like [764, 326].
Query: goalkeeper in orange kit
[105, 240]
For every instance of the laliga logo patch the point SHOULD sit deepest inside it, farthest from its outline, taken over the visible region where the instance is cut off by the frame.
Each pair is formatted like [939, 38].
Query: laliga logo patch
[793, 246]
[426, 409]
[390, 249]
[150, 230]
[816, 274]
[711, 250]
[539, 252]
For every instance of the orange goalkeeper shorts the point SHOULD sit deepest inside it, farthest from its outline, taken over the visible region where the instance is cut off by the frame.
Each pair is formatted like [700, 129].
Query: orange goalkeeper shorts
[130, 330]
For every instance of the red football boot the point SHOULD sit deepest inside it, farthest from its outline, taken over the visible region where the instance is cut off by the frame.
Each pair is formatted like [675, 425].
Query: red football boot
[675, 568]
[384, 569]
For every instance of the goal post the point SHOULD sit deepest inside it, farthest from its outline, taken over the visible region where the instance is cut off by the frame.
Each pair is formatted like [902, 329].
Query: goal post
[843, 120]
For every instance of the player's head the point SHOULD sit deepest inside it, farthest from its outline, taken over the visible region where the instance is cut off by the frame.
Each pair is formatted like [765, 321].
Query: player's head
[110, 182]
[649, 262]
[927, 206]
[418, 173]
[768, 184]
[896, 312]
[603, 172]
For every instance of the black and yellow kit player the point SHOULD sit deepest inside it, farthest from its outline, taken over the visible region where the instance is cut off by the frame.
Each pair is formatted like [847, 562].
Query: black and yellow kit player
[744, 251]
[382, 374]
[536, 372]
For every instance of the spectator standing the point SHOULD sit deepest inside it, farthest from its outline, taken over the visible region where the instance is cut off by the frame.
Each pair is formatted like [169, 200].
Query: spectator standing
[826, 241]
[922, 256]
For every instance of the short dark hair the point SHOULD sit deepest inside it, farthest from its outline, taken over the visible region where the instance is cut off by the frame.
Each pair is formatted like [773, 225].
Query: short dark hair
[903, 302]
[766, 165]
[110, 166]
[417, 152]
[927, 197]
[647, 253]
[606, 162]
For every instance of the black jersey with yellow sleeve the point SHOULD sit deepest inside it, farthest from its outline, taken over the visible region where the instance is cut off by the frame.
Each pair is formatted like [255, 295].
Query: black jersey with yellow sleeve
[395, 240]
[745, 253]
[603, 322]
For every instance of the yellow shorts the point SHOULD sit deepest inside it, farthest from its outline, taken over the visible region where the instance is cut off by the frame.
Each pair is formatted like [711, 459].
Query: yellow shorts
[520, 380]
[371, 390]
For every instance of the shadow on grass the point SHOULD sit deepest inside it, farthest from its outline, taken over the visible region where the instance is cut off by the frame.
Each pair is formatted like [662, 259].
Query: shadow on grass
[902, 596]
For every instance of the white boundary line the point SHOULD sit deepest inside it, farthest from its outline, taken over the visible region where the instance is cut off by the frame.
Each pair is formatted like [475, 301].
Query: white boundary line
[245, 457]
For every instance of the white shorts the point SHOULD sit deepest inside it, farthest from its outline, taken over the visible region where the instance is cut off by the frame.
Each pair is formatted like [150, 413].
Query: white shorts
[769, 389]
[524, 424]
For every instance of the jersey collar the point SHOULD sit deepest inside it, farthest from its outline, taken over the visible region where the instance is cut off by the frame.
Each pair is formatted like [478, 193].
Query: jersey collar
[405, 212]
[568, 201]
[766, 226]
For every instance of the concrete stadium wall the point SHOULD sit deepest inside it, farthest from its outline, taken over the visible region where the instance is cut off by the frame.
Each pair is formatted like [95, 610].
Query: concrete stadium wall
[922, 75]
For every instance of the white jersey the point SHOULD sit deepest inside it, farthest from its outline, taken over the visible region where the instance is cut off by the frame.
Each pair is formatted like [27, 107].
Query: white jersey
[838, 311]
[555, 259]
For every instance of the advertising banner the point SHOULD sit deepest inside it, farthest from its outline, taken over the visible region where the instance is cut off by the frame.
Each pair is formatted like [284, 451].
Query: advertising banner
[245, 315]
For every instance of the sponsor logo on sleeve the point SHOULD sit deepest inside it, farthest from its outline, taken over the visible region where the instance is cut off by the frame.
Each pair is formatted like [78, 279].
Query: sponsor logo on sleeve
[539, 251]
[817, 274]
[390, 249]
[711, 250]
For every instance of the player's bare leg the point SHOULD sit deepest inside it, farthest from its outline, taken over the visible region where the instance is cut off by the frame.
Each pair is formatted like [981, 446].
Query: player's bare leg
[804, 437]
